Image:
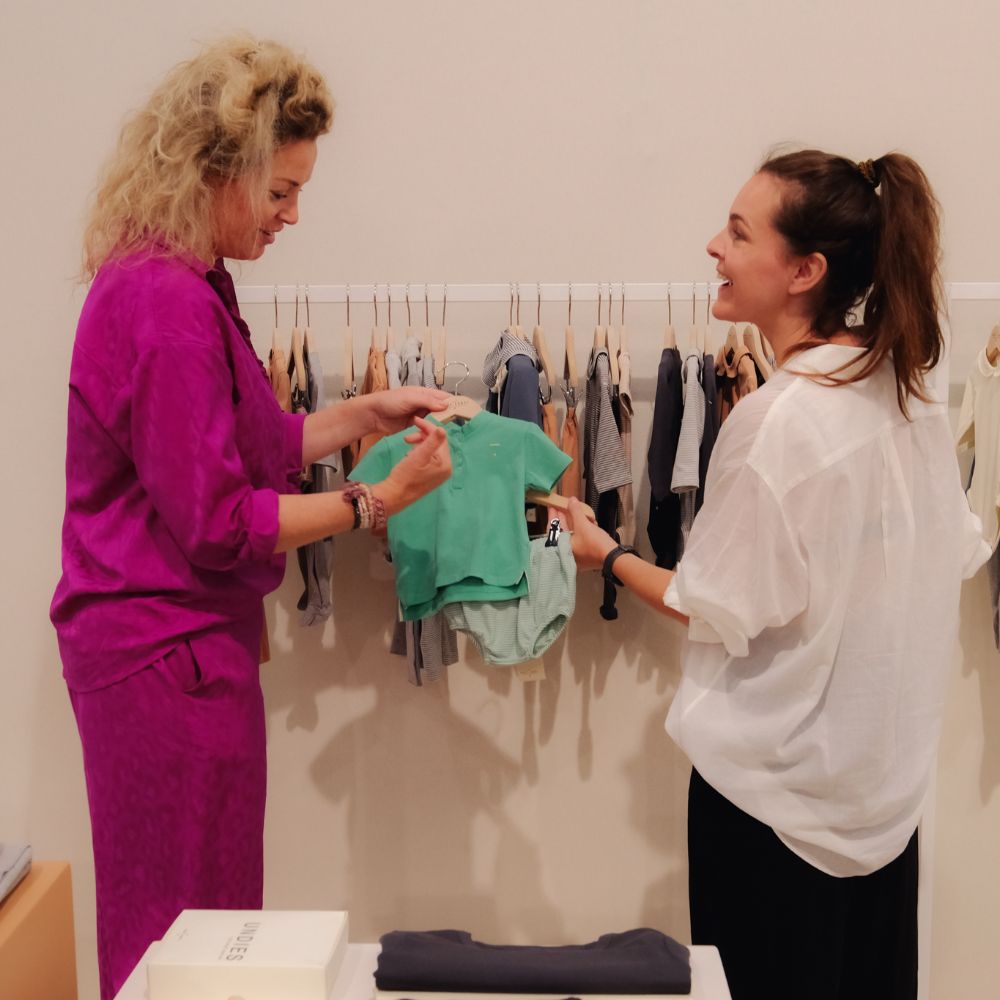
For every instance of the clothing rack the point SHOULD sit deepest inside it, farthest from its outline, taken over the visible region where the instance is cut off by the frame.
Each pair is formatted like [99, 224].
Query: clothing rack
[530, 291]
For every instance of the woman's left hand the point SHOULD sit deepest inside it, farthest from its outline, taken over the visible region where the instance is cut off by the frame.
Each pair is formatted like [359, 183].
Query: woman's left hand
[394, 409]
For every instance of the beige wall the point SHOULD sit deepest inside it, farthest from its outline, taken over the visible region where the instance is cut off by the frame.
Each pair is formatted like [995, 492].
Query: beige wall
[582, 141]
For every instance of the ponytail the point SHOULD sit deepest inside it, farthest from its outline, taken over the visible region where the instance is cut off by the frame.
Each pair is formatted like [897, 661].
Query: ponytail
[877, 224]
[903, 306]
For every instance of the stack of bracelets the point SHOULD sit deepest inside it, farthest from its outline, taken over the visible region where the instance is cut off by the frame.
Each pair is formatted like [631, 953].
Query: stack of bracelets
[369, 510]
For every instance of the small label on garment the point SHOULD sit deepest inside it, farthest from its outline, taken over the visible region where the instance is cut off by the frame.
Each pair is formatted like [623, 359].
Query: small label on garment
[530, 670]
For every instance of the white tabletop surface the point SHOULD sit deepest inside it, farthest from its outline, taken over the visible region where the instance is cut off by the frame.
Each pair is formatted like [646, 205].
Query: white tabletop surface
[356, 978]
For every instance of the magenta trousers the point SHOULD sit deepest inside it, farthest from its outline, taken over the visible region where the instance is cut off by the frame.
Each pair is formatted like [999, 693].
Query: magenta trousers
[174, 757]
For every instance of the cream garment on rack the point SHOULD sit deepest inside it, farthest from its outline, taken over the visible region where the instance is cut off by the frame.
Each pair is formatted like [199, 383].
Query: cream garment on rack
[979, 429]
[822, 578]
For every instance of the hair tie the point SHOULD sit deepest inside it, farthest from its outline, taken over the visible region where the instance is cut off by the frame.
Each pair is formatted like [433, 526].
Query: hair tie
[870, 172]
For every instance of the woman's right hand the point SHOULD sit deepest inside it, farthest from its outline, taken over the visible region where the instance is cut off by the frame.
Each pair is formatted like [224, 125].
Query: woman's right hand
[425, 467]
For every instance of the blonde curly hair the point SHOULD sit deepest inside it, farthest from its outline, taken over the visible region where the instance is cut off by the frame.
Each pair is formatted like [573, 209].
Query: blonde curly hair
[215, 118]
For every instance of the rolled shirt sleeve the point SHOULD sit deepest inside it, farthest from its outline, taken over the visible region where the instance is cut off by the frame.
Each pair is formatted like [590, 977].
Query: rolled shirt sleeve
[185, 453]
[743, 570]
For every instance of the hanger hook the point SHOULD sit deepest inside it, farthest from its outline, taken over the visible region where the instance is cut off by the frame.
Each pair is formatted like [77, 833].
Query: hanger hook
[517, 285]
[569, 309]
[538, 311]
[296, 306]
[348, 288]
[510, 310]
[449, 364]
[388, 295]
[708, 303]
[427, 308]
[276, 307]
[670, 307]
[694, 300]
[444, 304]
[623, 303]
[610, 300]
[375, 300]
[308, 318]
[409, 321]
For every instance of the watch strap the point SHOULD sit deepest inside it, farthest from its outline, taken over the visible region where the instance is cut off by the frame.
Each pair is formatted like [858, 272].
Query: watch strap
[609, 561]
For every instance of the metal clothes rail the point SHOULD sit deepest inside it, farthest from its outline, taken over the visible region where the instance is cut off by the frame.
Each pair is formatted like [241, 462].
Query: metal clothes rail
[678, 291]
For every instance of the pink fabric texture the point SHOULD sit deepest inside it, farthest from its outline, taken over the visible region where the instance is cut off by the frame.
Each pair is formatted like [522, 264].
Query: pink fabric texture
[176, 453]
[174, 757]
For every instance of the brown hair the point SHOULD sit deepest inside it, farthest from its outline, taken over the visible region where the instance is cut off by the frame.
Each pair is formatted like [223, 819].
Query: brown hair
[877, 224]
[214, 118]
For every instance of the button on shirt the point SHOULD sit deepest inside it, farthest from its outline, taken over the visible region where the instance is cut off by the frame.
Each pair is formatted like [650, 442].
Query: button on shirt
[467, 540]
[176, 453]
[822, 579]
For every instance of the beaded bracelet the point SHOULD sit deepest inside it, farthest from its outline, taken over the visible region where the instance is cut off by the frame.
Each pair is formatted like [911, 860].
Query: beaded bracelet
[369, 510]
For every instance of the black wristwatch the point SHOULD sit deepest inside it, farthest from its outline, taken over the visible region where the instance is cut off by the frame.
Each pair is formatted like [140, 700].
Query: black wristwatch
[609, 561]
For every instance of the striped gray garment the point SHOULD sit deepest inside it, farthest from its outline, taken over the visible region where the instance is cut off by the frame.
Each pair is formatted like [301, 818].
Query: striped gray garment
[687, 465]
[429, 645]
[317, 401]
[316, 562]
[686, 475]
[411, 371]
[316, 558]
[393, 369]
[604, 465]
[626, 499]
[427, 379]
[506, 347]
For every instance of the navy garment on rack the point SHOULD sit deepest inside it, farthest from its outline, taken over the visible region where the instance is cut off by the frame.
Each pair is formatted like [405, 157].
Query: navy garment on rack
[604, 464]
[664, 525]
[711, 431]
[449, 961]
[510, 372]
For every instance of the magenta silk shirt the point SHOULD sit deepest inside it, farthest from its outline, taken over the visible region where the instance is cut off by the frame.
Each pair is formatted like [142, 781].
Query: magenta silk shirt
[176, 453]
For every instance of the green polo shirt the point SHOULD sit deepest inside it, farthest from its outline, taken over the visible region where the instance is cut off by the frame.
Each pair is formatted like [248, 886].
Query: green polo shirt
[467, 540]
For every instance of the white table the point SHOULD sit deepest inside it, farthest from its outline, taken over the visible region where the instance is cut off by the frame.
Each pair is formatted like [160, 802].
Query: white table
[356, 979]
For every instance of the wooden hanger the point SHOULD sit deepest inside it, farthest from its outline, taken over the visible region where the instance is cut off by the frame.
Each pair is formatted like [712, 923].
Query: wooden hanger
[389, 343]
[298, 355]
[622, 333]
[299, 361]
[542, 348]
[993, 345]
[732, 342]
[614, 345]
[669, 333]
[459, 407]
[439, 346]
[376, 333]
[752, 340]
[307, 332]
[350, 382]
[276, 333]
[571, 375]
[600, 333]
[556, 501]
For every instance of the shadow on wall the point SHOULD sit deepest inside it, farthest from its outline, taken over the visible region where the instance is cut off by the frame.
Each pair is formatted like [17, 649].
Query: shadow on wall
[440, 810]
[980, 656]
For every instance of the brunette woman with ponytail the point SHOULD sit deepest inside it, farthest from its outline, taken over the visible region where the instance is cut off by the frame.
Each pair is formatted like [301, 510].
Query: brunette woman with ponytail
[820, 584]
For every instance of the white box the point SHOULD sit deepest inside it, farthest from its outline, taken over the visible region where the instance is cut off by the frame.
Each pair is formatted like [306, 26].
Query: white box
[248, 955]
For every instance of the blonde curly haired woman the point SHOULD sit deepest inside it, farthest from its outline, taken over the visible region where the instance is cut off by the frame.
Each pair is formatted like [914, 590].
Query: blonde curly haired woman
[179, 501]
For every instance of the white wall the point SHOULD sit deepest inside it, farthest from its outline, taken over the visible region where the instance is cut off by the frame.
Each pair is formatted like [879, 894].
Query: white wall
[585, 141]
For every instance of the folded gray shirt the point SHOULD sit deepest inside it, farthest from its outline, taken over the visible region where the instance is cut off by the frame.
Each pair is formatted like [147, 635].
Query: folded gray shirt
[15, 863]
